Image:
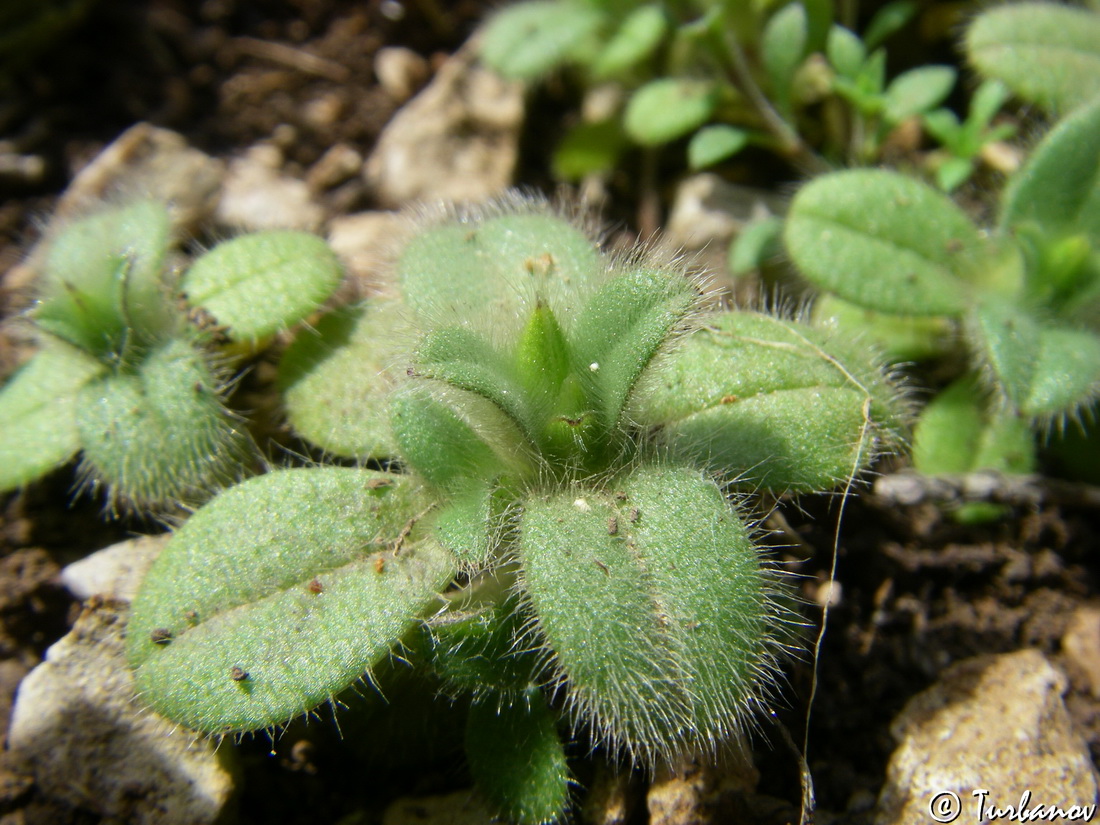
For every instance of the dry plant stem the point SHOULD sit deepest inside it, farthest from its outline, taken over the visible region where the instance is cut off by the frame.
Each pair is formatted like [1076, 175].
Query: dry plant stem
[789, 142]
[649, 201]
[292, 57]
[913, 488]
[849, 13]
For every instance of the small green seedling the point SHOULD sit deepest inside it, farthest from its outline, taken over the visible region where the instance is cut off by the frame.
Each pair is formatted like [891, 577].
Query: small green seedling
[559, 545]
[1020, 301]
[130, 369]
[722, 76]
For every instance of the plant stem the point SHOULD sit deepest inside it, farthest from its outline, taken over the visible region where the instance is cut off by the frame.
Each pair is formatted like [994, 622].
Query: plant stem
[790, 143]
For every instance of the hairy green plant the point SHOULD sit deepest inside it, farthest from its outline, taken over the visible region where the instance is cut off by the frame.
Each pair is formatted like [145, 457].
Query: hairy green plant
[558, 545]
[131, 371]
[724, 76]
[1046, 53]
[1019, 302]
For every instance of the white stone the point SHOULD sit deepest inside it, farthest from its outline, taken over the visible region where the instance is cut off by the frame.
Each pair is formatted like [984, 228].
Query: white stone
[458, 139]
[257, 196]
[992, 722]
[80, 731]
[114, 572]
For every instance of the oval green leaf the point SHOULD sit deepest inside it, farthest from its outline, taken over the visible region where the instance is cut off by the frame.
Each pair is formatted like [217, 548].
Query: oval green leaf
[714, 144]
[918, 91]
[772, 403]
[1059, 186]
[527, 41]
[669, 108]
[38, 413]
[279, 594]
[262, 283]
[337, 376]
[1046, 53]
[661, 617]
[637, 37]
[884, 241]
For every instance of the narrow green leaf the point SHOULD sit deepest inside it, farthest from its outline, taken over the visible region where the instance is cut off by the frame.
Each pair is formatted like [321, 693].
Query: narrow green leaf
[714, 144]
[892, 17]
[772, 403]
[279, 594]
[620, 331]
[1006, 340]
[468, 361]
[337, 375]
[987, 102]
[452, 437]
[262, 283]
[38, 413]
[653, 599]
[917, 91]
[161, 434]
[542, 355]
[1059, 186]
[517, 758]
[669, 108]
[884, 241]
[944, 126]
[637, 37]
[1046, 53]
[527, 41]
[783, 47]
[845, 51]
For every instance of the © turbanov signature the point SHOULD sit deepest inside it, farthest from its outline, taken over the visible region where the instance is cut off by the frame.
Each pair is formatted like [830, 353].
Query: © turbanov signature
[946, 806]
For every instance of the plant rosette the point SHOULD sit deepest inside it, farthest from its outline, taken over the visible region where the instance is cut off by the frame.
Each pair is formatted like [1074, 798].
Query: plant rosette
[559, 545]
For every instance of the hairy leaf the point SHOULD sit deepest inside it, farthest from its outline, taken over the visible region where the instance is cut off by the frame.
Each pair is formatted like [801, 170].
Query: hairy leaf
[262, 283]
[279, 594]
[517, 758]
[772, 403]
[102, 286]
[653, 599]
[160, 434]
[620, 331]
[494, 270]
[884, 241]
[1045, 52]
[38, 413]
[1059, 186]
[452, 436]
[337, 376]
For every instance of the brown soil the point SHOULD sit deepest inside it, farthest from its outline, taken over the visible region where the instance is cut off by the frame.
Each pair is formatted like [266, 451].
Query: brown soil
[918, 591]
